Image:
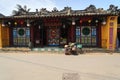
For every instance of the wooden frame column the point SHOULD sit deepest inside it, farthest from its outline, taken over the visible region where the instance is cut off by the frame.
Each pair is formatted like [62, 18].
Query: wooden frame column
[72, 33]
[0, 35]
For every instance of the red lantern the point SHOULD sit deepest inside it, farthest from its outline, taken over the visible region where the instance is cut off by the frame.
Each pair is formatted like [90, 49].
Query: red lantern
[80, 21]
[21, 22]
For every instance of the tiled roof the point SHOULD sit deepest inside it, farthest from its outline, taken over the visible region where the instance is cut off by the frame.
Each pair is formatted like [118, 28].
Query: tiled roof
[64, 13]
[1, 15]
[67, 11]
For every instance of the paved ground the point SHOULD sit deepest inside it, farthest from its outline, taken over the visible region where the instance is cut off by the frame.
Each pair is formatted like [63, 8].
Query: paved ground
[45, 66]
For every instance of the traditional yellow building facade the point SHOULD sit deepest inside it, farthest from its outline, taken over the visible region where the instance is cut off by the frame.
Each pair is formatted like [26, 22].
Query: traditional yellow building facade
[90, 27]
[108, 34]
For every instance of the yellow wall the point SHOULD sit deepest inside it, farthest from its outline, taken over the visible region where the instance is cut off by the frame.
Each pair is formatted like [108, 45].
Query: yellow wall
[111, 23]
[104, 35]
[0, 35]
[4, 36]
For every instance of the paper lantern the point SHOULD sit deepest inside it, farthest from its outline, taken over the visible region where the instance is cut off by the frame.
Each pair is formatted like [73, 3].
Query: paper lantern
[89, 21]
[96, 21]
[80, 21]
[21, 22]
[3, 24]
[104, 22]
[15, 23]
[73, 22]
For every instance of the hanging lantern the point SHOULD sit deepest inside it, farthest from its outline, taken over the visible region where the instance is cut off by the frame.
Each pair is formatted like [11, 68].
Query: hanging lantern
[73, 22]
[80, 21]
[104, 22]
[89, 21]
[9, 23]
[21, 22]
[96, 21]
[3, 24]
[39, 27]
[63, 25]
[28, 23]
[15, 23]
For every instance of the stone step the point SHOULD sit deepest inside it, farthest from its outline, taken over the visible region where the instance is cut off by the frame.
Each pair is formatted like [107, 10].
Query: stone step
[53, 49]
[48, 49]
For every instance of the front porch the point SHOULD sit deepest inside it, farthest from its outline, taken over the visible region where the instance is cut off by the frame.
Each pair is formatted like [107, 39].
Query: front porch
[54, 50]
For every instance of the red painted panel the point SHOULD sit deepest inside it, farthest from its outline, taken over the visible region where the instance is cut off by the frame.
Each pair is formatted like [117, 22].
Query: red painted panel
[72, 33]
[110, 38]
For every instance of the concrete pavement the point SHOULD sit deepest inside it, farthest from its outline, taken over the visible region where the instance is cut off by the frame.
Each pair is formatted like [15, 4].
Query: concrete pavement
[44, 66]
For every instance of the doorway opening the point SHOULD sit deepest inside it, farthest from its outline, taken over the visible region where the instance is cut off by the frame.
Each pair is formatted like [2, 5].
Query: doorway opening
[118, 37]
[53, 36]
[63, 35]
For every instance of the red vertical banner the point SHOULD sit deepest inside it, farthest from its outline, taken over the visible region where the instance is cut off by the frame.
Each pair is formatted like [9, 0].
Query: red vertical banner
[110, 38]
